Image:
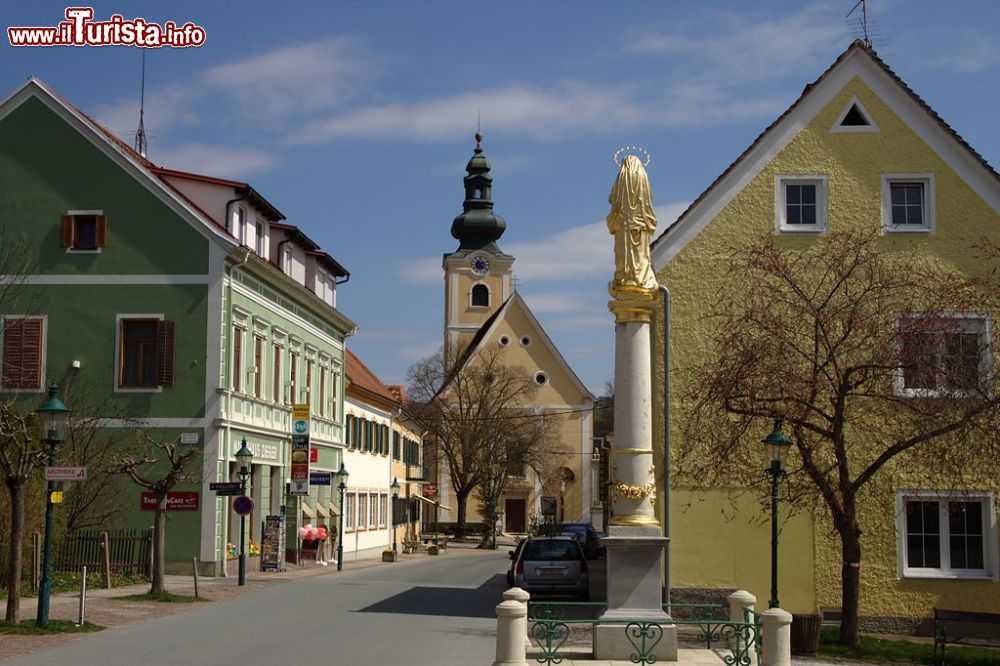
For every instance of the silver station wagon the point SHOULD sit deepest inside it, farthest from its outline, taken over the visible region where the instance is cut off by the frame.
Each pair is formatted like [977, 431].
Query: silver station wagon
[553, 565]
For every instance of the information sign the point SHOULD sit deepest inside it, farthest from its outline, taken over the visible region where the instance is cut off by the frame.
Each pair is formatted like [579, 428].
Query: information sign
[226, 488]
[65, 473]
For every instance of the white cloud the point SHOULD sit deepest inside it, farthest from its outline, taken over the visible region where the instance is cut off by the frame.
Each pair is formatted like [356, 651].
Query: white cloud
[972, 53]
[165, 108]
[578, 252]
[221, 161]
[291, 81]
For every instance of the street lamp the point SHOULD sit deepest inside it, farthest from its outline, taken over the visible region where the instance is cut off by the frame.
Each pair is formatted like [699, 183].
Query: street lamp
[562, 501]
[341, 486]
[243, 458]
[776, 447]
[53, 415]
[395, 498]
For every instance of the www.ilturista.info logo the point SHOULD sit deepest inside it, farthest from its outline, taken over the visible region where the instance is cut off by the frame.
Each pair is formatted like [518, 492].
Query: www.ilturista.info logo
[81, 30]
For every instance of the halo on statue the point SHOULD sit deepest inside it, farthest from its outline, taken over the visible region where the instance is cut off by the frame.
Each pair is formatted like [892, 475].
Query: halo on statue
[631, 150]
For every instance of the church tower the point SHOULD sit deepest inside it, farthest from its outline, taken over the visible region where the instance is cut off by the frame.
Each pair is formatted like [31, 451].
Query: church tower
[477, 276]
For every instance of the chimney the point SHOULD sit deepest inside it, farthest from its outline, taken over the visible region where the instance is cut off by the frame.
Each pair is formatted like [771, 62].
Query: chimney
[398, 392]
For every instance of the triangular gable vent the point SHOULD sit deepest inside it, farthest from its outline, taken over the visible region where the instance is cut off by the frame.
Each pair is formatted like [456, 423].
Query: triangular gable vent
[854, 118]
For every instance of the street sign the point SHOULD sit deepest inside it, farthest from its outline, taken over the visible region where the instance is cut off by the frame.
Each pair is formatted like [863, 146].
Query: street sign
[226, 488]
[319, 478]
[65, 473]
[176, 501]
[242, 505]
[298, 487]
[56, 497]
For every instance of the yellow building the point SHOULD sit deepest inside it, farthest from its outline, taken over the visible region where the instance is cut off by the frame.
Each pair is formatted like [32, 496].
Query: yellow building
[855, 142]
[484, 311]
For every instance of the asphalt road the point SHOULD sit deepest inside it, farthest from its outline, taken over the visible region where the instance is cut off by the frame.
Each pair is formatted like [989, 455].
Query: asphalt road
[435, 610]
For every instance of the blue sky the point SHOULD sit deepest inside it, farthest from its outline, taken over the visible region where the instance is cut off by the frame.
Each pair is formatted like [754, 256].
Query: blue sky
[356, 120]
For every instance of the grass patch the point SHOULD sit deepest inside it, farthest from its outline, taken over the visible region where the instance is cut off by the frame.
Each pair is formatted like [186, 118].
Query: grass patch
[905, 652]
[63, 581]
[163, 597]
[29, 628]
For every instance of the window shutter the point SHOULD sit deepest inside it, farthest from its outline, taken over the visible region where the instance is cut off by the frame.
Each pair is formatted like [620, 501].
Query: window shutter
[12, 336]
[67, 231]
[165, 353]
[102, 231]
[31, 353]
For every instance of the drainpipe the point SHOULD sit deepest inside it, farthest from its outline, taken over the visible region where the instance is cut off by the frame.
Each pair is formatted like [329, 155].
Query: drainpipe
[666, 439]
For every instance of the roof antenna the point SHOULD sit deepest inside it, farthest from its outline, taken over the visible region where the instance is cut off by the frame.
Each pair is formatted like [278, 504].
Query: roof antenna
[140, 135]
[863, 20]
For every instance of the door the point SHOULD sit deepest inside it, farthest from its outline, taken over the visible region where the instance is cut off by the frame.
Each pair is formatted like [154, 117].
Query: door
[514, 515]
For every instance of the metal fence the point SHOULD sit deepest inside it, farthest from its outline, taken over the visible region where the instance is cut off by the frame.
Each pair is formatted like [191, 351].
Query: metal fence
[552, 625]
[128, 551]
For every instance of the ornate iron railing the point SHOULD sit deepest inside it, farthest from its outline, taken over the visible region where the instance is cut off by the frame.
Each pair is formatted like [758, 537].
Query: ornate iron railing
[551, 629]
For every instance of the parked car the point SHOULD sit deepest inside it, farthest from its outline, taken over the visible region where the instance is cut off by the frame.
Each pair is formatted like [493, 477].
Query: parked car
[553, 565]
[514, 554]
[588, 537]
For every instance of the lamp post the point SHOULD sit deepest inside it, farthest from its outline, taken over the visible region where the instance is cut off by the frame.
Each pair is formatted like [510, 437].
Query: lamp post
[243, 458]
[395, 498]
[776, 447]
[341, 486]
[53, 414]
[562, 501]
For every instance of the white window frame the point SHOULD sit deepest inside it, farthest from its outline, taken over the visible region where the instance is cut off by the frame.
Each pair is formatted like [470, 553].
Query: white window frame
[781, 211]
[362, 511]
[383, 510]
[986, 497]
[981, 322]
[43, 357]
[373, 511]
[350, 504]
[871, 127]
[929, 203]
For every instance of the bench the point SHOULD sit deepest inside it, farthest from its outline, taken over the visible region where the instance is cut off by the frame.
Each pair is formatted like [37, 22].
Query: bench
[410, 546]
[948, 626]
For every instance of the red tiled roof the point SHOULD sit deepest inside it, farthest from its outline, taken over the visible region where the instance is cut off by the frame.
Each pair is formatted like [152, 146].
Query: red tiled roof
[361, 376]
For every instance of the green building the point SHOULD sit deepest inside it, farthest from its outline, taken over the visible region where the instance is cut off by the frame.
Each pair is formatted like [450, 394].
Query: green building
[185, 303]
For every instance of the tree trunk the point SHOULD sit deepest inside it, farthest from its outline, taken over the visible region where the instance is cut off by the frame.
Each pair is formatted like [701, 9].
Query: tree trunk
[159, 536]
[15, 488]
[462, 499]
[850, 583]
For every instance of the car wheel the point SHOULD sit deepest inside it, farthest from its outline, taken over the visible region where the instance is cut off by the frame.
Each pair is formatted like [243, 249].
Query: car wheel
[510, 579]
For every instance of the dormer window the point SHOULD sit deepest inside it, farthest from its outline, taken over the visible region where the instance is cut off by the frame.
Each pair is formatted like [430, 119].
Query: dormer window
[260, 240]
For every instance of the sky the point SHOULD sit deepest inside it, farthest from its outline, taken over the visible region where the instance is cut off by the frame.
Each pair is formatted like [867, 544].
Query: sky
[356, 120]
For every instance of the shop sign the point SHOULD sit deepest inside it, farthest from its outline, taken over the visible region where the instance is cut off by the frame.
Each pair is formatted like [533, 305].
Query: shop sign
[266, 452]
[300, 419]
[176, 501]
[314, 455]
[320, 478]
[430, 490]
[189, 438]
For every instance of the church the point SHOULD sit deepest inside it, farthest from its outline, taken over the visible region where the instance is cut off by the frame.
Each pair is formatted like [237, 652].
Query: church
[483, 310]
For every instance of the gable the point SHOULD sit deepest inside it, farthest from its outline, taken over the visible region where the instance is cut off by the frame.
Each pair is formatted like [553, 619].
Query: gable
[859, 72]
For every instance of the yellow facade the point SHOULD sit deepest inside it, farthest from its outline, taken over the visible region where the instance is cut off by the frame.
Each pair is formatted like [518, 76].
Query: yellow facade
[720, 540]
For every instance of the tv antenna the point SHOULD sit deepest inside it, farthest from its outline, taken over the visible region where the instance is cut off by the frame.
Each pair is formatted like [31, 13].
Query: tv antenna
[140, 135]
[863, 20]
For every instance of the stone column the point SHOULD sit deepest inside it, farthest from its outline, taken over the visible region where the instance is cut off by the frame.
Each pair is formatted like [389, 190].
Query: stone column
[741, 601]
[512, 620]
[776, 648]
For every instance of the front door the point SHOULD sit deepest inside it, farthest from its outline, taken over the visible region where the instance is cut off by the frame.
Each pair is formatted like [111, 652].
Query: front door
[514, 511]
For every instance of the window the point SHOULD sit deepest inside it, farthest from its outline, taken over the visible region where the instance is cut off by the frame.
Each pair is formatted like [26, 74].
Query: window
[260, 239]
[943, 354]
[309, 378]
[373, 510]
[800, 204]
[854, 118]
[395, 445]
[145, 353]
[322, 391]
[293, 362]
[85, 230]
[258, 365]
[541, 379]
[383, 510]
[237, 358]
[240, 232]
[549, 505]
[23, 352]
[480, 296]
[349, 501]
[276, 373]
[946, 534]
[334, 382]
[362, 511]
[503, 340]
[908, 202]
[525, 340]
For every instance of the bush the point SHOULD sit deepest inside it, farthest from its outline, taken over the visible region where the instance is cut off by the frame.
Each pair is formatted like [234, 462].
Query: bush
[476, 529]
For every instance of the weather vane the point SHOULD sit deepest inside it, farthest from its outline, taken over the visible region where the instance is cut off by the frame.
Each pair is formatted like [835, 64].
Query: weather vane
[631, 150]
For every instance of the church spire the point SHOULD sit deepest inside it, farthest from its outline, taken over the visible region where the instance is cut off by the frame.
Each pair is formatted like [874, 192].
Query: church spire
[478, 227]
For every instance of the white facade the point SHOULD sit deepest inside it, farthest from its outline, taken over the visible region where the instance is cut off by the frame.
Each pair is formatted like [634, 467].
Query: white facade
[367, 527]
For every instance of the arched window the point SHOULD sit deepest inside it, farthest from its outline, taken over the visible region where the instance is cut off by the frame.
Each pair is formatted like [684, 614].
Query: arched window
[480, 295]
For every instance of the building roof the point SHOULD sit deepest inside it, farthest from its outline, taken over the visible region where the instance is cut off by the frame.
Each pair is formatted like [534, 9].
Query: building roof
[361, 377]
[856, 47]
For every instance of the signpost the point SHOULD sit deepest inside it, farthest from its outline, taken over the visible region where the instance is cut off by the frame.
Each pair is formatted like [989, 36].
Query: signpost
[226, 488]
[65, 473]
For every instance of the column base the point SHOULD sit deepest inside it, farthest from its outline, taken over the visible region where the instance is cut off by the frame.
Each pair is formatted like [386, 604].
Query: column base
[611, 642]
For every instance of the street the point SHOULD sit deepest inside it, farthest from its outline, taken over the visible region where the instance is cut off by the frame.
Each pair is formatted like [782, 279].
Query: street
[434, 610]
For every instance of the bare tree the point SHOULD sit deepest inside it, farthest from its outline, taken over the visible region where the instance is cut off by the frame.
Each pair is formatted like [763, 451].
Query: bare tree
[473, 410]
[21, 453]
[862, 350]
[139, 469]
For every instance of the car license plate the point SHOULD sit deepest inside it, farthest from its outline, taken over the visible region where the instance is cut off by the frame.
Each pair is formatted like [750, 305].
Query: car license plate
[550, 571]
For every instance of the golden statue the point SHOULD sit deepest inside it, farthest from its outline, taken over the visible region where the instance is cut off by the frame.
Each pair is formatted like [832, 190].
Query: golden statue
[632, 223]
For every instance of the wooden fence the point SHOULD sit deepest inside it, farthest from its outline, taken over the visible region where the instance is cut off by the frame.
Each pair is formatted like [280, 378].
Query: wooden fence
[128, 551]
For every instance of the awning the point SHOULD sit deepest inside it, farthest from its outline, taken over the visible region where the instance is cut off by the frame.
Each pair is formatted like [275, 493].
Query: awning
[307, 510]
[322, 511]
[334, 511]
[431, 502]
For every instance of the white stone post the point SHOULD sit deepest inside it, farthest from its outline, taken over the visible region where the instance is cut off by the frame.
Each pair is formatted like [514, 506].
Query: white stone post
[776, 649]
[522, 597]
[741, 601]
[512, 622]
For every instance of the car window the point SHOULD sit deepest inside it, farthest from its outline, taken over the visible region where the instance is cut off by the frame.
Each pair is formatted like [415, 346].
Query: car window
[552, 550]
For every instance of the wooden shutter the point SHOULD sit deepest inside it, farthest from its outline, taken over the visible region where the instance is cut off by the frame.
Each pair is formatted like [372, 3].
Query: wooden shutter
[102, 230]
[67, 231]
[165, 353]
[22, 353]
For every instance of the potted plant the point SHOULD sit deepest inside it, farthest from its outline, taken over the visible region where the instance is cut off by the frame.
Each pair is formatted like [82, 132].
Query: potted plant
[388, 555]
